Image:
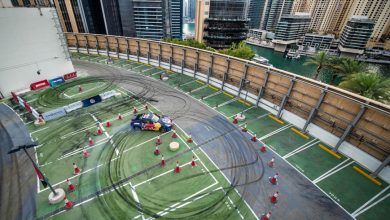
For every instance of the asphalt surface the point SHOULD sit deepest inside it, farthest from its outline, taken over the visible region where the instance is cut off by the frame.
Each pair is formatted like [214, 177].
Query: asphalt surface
[230, 148]
[18, 185]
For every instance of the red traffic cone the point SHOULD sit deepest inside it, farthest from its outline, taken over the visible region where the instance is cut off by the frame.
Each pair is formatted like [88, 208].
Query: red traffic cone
[162, 163]
[274, 197]
[254, 138]
[189, 139]
[90, 141]
[266, 216]
[80, 88]
[157, 151]
[177, 168]
[68, 204]
[244, 129]
[99, 131]
[235, 120]
[76, 169]
[193, 163]
[146, 107]
[158, 141]
[135, 110]
[174, 135]
[263, 149]
[85, 153]
[274, 179]
[71, 187]
[120, 116]
[271, 163]
[108, 124]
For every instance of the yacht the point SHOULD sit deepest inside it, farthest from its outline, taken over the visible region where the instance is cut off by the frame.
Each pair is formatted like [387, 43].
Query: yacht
[261, 60]
[293, 54]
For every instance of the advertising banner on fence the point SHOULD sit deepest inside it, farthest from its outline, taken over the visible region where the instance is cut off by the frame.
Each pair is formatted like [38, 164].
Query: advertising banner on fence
[14, 96]
[108, 94]
[70, 75]
[39, 85]
[91, 101]
[35, 113]
[56, 81]
[21, 101]
[53, 114]
[73, 106]
[27, 106]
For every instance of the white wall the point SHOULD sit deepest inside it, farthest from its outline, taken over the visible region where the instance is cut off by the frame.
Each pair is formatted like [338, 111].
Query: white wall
[28, 43]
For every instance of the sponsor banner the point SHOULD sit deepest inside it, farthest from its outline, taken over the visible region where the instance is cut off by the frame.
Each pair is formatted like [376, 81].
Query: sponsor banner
[70, 75]
[56, 81]
[14, 96]
[73, 106]
[21, 101]
[35, 113]
[39, 85]
[108, 94]
[27, 106]
[91, 101]
[53, 114]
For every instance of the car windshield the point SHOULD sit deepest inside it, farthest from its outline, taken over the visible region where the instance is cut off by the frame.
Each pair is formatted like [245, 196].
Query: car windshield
[155, 118]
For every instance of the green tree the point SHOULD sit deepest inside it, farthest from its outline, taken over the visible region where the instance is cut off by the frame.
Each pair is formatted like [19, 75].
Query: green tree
[321, 60]
[240, 50]
[343, 66]
[368, 84]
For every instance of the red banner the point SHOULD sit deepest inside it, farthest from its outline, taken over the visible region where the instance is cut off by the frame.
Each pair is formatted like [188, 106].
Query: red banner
[39, 85]
[70, 75]
[14, 96]
[27, 106]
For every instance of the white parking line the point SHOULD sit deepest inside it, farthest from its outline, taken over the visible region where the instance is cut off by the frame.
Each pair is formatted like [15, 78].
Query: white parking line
[331, 173]
[370, 206]
[301, 148]
[331, 170]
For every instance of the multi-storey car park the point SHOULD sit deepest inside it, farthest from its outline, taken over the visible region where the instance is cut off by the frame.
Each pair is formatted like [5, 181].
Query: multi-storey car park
[330, 146]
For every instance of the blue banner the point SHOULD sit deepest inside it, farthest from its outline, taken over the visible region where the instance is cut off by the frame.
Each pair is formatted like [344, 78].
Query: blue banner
[56, 81]
[91, 101]
[53, 114]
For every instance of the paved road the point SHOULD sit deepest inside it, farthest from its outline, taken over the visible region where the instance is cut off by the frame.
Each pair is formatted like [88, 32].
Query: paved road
[230, 149]
[18, 185]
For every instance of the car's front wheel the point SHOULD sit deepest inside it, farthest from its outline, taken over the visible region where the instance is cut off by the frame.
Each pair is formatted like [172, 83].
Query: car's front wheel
[163, 130]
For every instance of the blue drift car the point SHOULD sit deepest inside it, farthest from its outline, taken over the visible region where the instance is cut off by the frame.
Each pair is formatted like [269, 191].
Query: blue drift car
[151, 122]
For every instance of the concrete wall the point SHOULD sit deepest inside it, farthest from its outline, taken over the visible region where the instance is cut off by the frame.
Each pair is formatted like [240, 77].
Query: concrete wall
[29, 42]
[329, 112]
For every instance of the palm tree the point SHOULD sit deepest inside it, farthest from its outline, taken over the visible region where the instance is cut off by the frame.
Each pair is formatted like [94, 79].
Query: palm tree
[321, 60]
[348, 66]
[367, 84]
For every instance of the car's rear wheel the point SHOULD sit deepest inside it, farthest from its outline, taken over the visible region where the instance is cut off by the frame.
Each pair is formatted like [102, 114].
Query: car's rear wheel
[136, 128]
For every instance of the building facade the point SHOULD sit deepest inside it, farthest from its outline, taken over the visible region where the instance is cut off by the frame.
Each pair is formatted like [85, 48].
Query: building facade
[379, 12]
[273, 11]
[255, 13]
[134, 18]
[355, 35]
[219, 23]
[318, 41]
[290, 29]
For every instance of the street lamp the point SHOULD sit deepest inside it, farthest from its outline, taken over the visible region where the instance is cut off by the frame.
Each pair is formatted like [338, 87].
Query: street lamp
[56, 195]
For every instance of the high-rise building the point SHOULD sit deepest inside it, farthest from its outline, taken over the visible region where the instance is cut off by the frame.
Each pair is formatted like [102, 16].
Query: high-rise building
[255, 13]
[191, 9]
[290, 29]
[185, 8]
[355, 35]
[134, 18]
[302, 6]
[379, 12]
[219, 23]
[273, 11]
